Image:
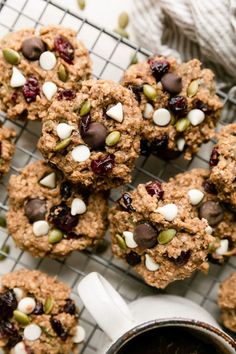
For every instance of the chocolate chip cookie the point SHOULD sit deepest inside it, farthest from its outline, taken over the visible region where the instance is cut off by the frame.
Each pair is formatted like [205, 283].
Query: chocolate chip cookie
[48, 216]
[7, 148]
[155, 233]
[201, 194]
[37, 314]
[227, 302]
[34, 68]
[93, 138]
[178, 102]
[223, 165]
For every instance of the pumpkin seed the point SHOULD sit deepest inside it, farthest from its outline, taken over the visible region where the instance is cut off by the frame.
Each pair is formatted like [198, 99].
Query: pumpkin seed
[5, 249]
[122, 32]
[101, 246]
[11, 56]
[134, 59]
[62, 144]
[81, 4]
[21, 317]
[113, 138]
[48, 305]
[166, 236]
[55, 235]
[192, 88]
[123, 20]
[85, 108]
[62, 73]
[3, 222]
[150, 92]
[182, 125]
[121, 242]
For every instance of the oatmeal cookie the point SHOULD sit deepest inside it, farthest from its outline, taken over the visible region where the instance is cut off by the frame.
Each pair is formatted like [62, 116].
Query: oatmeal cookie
[7, 148]
[201, 194]
[227, 302]
[34, 68]
[223, 164]
[49, 216]
[157, 235]
[178, 102]
[37, 314]
[93, 138]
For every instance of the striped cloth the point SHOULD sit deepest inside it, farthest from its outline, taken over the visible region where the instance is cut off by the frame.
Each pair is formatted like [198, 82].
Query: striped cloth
[185, 29]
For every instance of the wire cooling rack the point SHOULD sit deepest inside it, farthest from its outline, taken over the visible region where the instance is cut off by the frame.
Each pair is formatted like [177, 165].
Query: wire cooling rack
[111, 55]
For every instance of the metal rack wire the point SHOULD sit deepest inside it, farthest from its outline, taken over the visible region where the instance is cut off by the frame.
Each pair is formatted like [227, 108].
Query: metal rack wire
[111, 56]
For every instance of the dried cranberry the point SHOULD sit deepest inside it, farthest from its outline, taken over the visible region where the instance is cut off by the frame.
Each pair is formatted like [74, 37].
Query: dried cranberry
[103, 165]
[64, 49]
[209, 187]
[69, 307]
[31, 89]
[133, 258]
[160, 144]
[178, 105]
[182, 259]
[65, 190]
[137, 90]
[214, 159]
[60, 216]
[67, 95]
[159, 68]
[145, 148]
[126, 202]
[38, 310]
[9, 331]
[0, 148]
[155, 188]
[14, 97]
[8, 304]
[202, 106]
[84, 124]
[58, 328]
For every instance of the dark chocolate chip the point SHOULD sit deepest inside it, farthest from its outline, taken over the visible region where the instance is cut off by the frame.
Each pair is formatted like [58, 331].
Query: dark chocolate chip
[133, 258]
[65, 190]
[172, 83]
[145, 235]
[69, 307]
[95, 135]
[32, 48]
[35, 209]
[212, 212]
[209, 187]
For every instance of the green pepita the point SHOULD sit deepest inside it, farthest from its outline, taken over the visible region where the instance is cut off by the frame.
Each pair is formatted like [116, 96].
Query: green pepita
[11, 56]
[101, 246]
[85, 108]
[150, 92]
[113, 138]
[214, 245]
[48, 305]
[166, 236]
[62, 73]
[62, 144]
[81, 4]
[123, 20]
[192, 88]
[5, 249]
[134, 59]
[21, 318]
[121, 242]
[55, 235]
[122, 32]
[3, 222]
[182, 125]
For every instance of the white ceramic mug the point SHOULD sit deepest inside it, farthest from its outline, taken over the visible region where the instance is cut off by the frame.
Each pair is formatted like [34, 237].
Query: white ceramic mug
[121, 322]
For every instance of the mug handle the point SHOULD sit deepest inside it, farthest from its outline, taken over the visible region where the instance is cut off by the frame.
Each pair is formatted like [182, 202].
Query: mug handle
[106, 306]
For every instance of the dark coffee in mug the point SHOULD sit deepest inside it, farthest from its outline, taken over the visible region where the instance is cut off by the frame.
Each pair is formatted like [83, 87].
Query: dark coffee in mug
[170, 340]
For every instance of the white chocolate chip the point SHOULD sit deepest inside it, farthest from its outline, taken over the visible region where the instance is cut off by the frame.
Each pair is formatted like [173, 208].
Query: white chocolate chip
[49, 89]
[195, 196]
[168, 211]
[80, 153]
[196, 116]
[129, 239]
[17, 78]
[26, 305]
[161, 117]
[180, 144]
[79, 335]
[64, 130]
[19, 293]
[78, 206]
[148, 111]
[150, 264]
[209, 230]
[116, 112]
[32, 332]
[223, 248]
[19, 348]
[49, 180]
[47, 60]
[40, 228]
